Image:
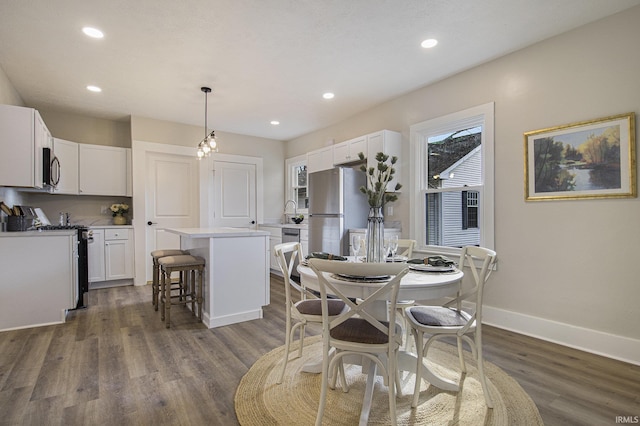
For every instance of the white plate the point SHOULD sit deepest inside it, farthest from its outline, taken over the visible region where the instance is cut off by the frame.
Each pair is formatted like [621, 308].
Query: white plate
[429, 268]
[397, 259]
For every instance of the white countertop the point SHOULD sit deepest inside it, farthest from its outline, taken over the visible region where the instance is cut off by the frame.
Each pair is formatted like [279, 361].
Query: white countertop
[48, 233]
[216, 232]
[286, 225]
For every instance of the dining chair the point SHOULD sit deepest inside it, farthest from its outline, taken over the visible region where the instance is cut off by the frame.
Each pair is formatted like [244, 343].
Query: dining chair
[405, 247]
[298, 313]
[451, 320]
[357, 331]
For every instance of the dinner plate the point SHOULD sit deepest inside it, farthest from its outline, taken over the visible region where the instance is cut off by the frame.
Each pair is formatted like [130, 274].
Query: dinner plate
[429, 268]
[360, 278]
[397, 259]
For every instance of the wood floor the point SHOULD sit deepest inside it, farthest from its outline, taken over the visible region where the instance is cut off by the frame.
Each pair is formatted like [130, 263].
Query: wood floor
[116, 364]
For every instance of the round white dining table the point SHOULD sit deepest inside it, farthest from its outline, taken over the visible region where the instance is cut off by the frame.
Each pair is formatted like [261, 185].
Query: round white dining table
[415, 285]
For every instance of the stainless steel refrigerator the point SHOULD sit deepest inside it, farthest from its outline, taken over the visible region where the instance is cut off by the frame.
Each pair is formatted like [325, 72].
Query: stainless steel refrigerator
[335, 206]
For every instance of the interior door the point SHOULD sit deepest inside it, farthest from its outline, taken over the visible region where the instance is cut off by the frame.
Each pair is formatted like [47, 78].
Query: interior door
[171, 192]
[234, 199]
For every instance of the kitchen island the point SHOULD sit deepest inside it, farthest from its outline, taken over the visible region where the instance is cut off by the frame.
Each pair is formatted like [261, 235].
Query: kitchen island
[236, 278]
[39, 277]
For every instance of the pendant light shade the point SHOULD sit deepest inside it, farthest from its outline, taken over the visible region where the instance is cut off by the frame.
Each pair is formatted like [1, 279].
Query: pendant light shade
[208, 144]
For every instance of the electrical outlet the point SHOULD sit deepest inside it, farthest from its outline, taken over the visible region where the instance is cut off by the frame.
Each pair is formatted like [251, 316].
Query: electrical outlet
[389, 210]
[104, 209]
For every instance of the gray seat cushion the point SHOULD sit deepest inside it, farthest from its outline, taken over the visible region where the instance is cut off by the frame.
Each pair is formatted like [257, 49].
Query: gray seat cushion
[314, 307]
[437, 316]
[360, 331]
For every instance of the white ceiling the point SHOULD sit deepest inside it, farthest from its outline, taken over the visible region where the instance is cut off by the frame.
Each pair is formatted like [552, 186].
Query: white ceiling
[264, 59]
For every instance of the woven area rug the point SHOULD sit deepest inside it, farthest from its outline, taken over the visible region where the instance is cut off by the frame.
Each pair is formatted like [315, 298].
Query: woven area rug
[260, 401]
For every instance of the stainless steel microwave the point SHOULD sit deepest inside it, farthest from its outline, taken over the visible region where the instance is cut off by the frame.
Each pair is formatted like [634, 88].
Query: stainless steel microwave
[50, 168]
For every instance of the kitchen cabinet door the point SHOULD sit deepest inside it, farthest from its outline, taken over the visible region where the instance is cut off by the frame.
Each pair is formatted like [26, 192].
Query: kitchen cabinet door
[67, 153]
[320, 159]
[23, 134]
[389, 143]
[118, 253]
[96, 256]
[104, 170]
[347, 152]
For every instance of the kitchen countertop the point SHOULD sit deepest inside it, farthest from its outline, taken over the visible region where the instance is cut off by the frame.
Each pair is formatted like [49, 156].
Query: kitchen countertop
[216, 232]
[286, 225]
[47, 233]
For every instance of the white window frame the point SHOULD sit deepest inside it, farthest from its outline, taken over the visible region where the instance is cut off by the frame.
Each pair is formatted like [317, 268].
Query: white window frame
[291, 164]
[420, 132]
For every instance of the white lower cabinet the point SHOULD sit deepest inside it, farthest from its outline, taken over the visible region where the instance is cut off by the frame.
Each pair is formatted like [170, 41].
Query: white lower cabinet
[274, 239]
[304, 241]
[111, 255]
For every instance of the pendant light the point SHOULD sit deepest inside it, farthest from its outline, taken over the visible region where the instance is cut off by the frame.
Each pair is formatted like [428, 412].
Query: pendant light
[208, 144]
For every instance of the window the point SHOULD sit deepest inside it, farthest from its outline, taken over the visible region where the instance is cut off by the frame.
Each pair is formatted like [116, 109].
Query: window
[297, 183]
[452, 187]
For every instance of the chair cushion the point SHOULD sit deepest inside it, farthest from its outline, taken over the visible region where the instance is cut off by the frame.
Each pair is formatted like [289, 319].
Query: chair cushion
[182, 260]
[438, 316]
[361, 331]
[314, 307]
[163, 253]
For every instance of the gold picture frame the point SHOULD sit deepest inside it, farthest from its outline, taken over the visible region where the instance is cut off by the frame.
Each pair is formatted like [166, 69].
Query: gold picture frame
[584, 160]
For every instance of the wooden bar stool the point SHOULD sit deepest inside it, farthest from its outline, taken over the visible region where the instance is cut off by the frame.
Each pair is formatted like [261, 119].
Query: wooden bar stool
[188, 266]
[155, 283]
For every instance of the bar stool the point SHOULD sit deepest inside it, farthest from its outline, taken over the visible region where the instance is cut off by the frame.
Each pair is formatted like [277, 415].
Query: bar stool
[155, 283]
[188, 266]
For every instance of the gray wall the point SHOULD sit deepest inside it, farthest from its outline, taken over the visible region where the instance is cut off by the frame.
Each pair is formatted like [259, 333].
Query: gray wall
[566, 268]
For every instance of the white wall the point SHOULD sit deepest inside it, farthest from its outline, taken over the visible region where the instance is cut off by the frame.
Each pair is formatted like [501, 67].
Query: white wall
[566, 268]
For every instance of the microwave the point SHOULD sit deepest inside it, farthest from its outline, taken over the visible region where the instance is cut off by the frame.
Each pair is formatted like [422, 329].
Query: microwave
[50, 168]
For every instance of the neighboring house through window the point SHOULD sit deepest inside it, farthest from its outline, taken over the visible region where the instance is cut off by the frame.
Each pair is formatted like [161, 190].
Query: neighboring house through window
[452, 187]
[297, 183]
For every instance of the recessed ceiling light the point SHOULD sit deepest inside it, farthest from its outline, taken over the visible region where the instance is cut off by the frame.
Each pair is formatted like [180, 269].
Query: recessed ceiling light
[93, 32]
[94, 89]
[429, 43]
[275, 122]
[328, 95]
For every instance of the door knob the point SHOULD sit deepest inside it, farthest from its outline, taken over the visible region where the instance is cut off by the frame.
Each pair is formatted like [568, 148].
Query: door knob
[253, 222]
[152, 223]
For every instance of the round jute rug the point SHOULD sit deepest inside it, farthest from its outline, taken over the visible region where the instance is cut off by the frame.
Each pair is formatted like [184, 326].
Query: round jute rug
[260, 401]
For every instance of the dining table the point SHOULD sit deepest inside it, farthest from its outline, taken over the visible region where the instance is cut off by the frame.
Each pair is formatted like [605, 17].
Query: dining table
[415, 285]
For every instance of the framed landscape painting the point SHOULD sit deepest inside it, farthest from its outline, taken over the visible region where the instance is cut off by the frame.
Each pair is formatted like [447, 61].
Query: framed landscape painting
[589, 159]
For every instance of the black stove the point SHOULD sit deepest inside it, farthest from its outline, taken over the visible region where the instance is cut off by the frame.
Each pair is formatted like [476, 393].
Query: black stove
[58, 227]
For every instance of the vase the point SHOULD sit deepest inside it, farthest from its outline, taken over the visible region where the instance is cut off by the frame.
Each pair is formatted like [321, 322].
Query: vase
[119, 220]
[375, 235]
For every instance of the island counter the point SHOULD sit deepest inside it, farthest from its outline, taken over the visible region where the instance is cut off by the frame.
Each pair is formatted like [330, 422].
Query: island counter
[236, 277]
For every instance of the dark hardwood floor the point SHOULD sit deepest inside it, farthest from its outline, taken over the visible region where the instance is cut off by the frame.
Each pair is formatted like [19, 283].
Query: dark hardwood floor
[116, 364]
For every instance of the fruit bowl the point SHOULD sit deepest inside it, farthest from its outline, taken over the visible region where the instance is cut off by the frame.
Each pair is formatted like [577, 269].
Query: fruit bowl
[297, 220]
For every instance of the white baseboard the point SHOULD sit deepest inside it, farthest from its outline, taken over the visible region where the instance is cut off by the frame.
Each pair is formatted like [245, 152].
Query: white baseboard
[213, 322]
[593, 341]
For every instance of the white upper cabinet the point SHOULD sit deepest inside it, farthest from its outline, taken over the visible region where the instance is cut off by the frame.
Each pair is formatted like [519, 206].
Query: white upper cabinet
[389, 143]
[320, 159]
[23, 134]
[104, 170]
[347, 152]
[67, 153]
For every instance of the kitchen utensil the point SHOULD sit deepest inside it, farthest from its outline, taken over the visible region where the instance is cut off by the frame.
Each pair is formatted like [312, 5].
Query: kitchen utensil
[6, 209]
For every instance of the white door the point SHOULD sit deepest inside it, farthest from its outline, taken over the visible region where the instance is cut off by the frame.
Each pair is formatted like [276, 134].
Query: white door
[234, 199]
[166, 195]
[172, 198]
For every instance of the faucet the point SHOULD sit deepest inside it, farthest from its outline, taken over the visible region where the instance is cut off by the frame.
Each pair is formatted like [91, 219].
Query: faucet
[295, 209]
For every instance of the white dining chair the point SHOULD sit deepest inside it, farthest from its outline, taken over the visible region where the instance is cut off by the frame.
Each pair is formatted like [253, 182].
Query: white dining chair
[451, 320]
[405, 248]
[303, 311]
[357, 331]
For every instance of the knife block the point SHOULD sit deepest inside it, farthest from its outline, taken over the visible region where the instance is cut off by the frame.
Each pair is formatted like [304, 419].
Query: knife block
[19, 223]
